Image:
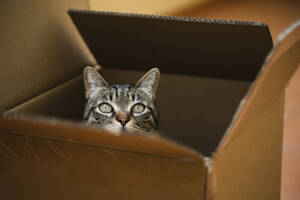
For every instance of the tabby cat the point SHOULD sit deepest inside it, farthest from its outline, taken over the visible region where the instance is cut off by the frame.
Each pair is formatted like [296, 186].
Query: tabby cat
[121, 107]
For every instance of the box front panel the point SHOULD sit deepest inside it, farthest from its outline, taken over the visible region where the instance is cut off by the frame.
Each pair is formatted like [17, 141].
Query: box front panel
[36, 168]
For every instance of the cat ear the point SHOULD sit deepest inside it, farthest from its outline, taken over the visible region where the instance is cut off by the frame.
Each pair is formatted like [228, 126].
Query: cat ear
[149, 82]
[93, 82]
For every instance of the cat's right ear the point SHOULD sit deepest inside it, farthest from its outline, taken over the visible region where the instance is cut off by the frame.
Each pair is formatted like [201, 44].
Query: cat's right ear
[93, 82]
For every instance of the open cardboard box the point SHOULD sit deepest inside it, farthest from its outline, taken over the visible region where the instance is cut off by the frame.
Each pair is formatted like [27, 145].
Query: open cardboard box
[220, 101]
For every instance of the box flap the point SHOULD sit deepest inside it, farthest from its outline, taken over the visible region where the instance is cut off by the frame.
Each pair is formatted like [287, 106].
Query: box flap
[213, 48]
[40, 48]
[247, 164]
[73, 132]
[48, 168]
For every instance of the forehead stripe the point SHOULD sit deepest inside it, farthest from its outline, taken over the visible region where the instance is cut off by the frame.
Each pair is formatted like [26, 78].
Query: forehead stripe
[116, 94]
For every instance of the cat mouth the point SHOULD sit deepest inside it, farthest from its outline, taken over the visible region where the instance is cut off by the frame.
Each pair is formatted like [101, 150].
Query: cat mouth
[124, 129]
[127, 129]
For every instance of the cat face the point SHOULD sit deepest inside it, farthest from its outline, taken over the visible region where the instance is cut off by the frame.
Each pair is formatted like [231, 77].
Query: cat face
[121, 107]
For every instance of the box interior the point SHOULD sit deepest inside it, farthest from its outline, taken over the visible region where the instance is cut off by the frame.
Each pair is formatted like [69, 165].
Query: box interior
[201, 84]
[201, 117]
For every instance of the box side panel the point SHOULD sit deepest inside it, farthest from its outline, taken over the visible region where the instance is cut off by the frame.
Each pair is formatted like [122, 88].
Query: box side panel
[40, 48]
[250, 167]
[279, 67]
[36, 168]
[290, 183]
[250, 154]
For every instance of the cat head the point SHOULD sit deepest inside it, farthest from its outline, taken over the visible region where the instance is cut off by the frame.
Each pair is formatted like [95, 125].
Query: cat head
[121, 107]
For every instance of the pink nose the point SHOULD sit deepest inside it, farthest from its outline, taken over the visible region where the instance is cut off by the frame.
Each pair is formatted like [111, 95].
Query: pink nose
[123, 118]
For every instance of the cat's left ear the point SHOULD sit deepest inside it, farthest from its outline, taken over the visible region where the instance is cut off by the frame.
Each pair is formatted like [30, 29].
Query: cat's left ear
[149, 82]
[94, 83]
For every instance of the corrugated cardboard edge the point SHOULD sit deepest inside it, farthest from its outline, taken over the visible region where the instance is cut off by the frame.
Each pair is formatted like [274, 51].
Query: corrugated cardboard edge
[275, 53]
[172, 18]
[209, 183]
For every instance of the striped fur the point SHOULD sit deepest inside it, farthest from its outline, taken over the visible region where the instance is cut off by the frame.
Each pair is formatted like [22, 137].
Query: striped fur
[122, 99]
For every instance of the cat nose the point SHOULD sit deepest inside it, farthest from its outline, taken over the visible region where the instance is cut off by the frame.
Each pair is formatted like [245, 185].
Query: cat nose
[123, 118]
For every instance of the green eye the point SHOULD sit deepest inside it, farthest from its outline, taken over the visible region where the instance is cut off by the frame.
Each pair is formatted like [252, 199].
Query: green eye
[138, 108]
[105, 108]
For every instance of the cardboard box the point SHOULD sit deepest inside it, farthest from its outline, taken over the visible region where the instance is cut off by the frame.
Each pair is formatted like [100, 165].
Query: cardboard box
[221, 134]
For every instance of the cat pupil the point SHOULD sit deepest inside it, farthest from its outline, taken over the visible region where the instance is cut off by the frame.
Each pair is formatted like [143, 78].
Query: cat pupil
[138, 108]
[105, 108]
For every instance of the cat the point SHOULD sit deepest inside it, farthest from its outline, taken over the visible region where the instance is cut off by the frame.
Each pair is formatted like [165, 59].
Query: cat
[117, 108]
